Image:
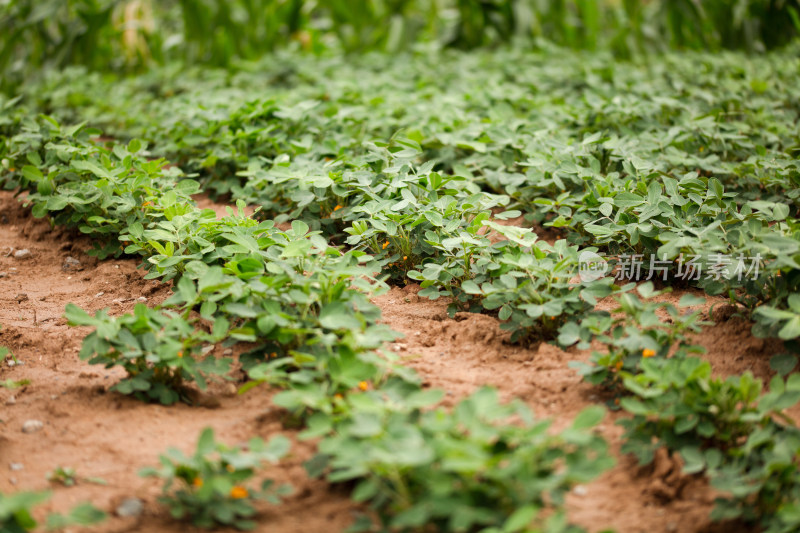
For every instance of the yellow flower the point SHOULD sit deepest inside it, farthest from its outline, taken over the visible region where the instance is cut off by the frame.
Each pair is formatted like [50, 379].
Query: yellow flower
[702, 148]
[385, 245]
[147, 203]
[273, 355]
[338, 396]
[618, 366]
[230, 468]
[405, 257]
[237, 493]
[198, 482]
[12, 169]
[363, 385]
[648, 353]
[337, 207]
[180, 353]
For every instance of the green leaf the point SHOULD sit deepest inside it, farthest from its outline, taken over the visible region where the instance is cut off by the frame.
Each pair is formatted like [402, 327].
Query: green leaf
[626, 199]
[694, 461]
[32, 173]
[470, 287]
[520, 519]
[78, 317]
[690, 300]
[205, 443]
[337, 316]
[791, 330]
[589, 417]
[783, 363]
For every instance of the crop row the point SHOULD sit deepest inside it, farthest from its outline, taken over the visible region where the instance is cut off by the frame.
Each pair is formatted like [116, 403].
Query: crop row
[616, 160]
[306, 305]
[724, 429]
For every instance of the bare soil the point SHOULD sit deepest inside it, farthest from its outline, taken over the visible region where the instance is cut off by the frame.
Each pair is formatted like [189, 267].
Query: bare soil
[102, 434]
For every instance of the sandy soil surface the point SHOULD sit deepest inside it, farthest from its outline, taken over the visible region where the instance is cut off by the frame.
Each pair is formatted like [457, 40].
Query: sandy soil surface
[104, 435]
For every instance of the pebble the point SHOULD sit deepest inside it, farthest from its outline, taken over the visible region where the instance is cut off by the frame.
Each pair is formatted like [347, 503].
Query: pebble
[11, 400]
[141, 299]
[130, 507]
[32, 426]
[207, 349]
[70, 263]
[3, 274]
[579, 490]
[227, 351]
[22, 254]
[21, 297]
[99, 294]
[15, 466]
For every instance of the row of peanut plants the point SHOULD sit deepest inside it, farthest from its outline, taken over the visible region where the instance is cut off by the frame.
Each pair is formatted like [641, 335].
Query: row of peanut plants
[615, 160]
[306, 305]
[728, 430]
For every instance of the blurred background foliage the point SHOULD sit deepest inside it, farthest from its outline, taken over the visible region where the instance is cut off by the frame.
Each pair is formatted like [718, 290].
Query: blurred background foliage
[130, 35]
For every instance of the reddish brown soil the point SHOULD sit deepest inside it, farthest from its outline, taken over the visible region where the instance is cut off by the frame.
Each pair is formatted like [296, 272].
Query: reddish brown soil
[101, 434]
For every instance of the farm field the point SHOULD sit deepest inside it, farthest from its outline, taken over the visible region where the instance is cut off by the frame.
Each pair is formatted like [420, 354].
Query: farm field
[501, 290]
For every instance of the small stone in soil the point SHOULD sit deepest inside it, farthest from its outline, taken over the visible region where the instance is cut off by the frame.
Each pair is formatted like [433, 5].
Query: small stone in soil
[15, 466]
[3, 274]
[32, 426]
[579, 490]
[141, 299]
[22, 254]
[227, 351]
[70, 263]
[21, 297]
[130, 507]
[11, 400]
[99, 294]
